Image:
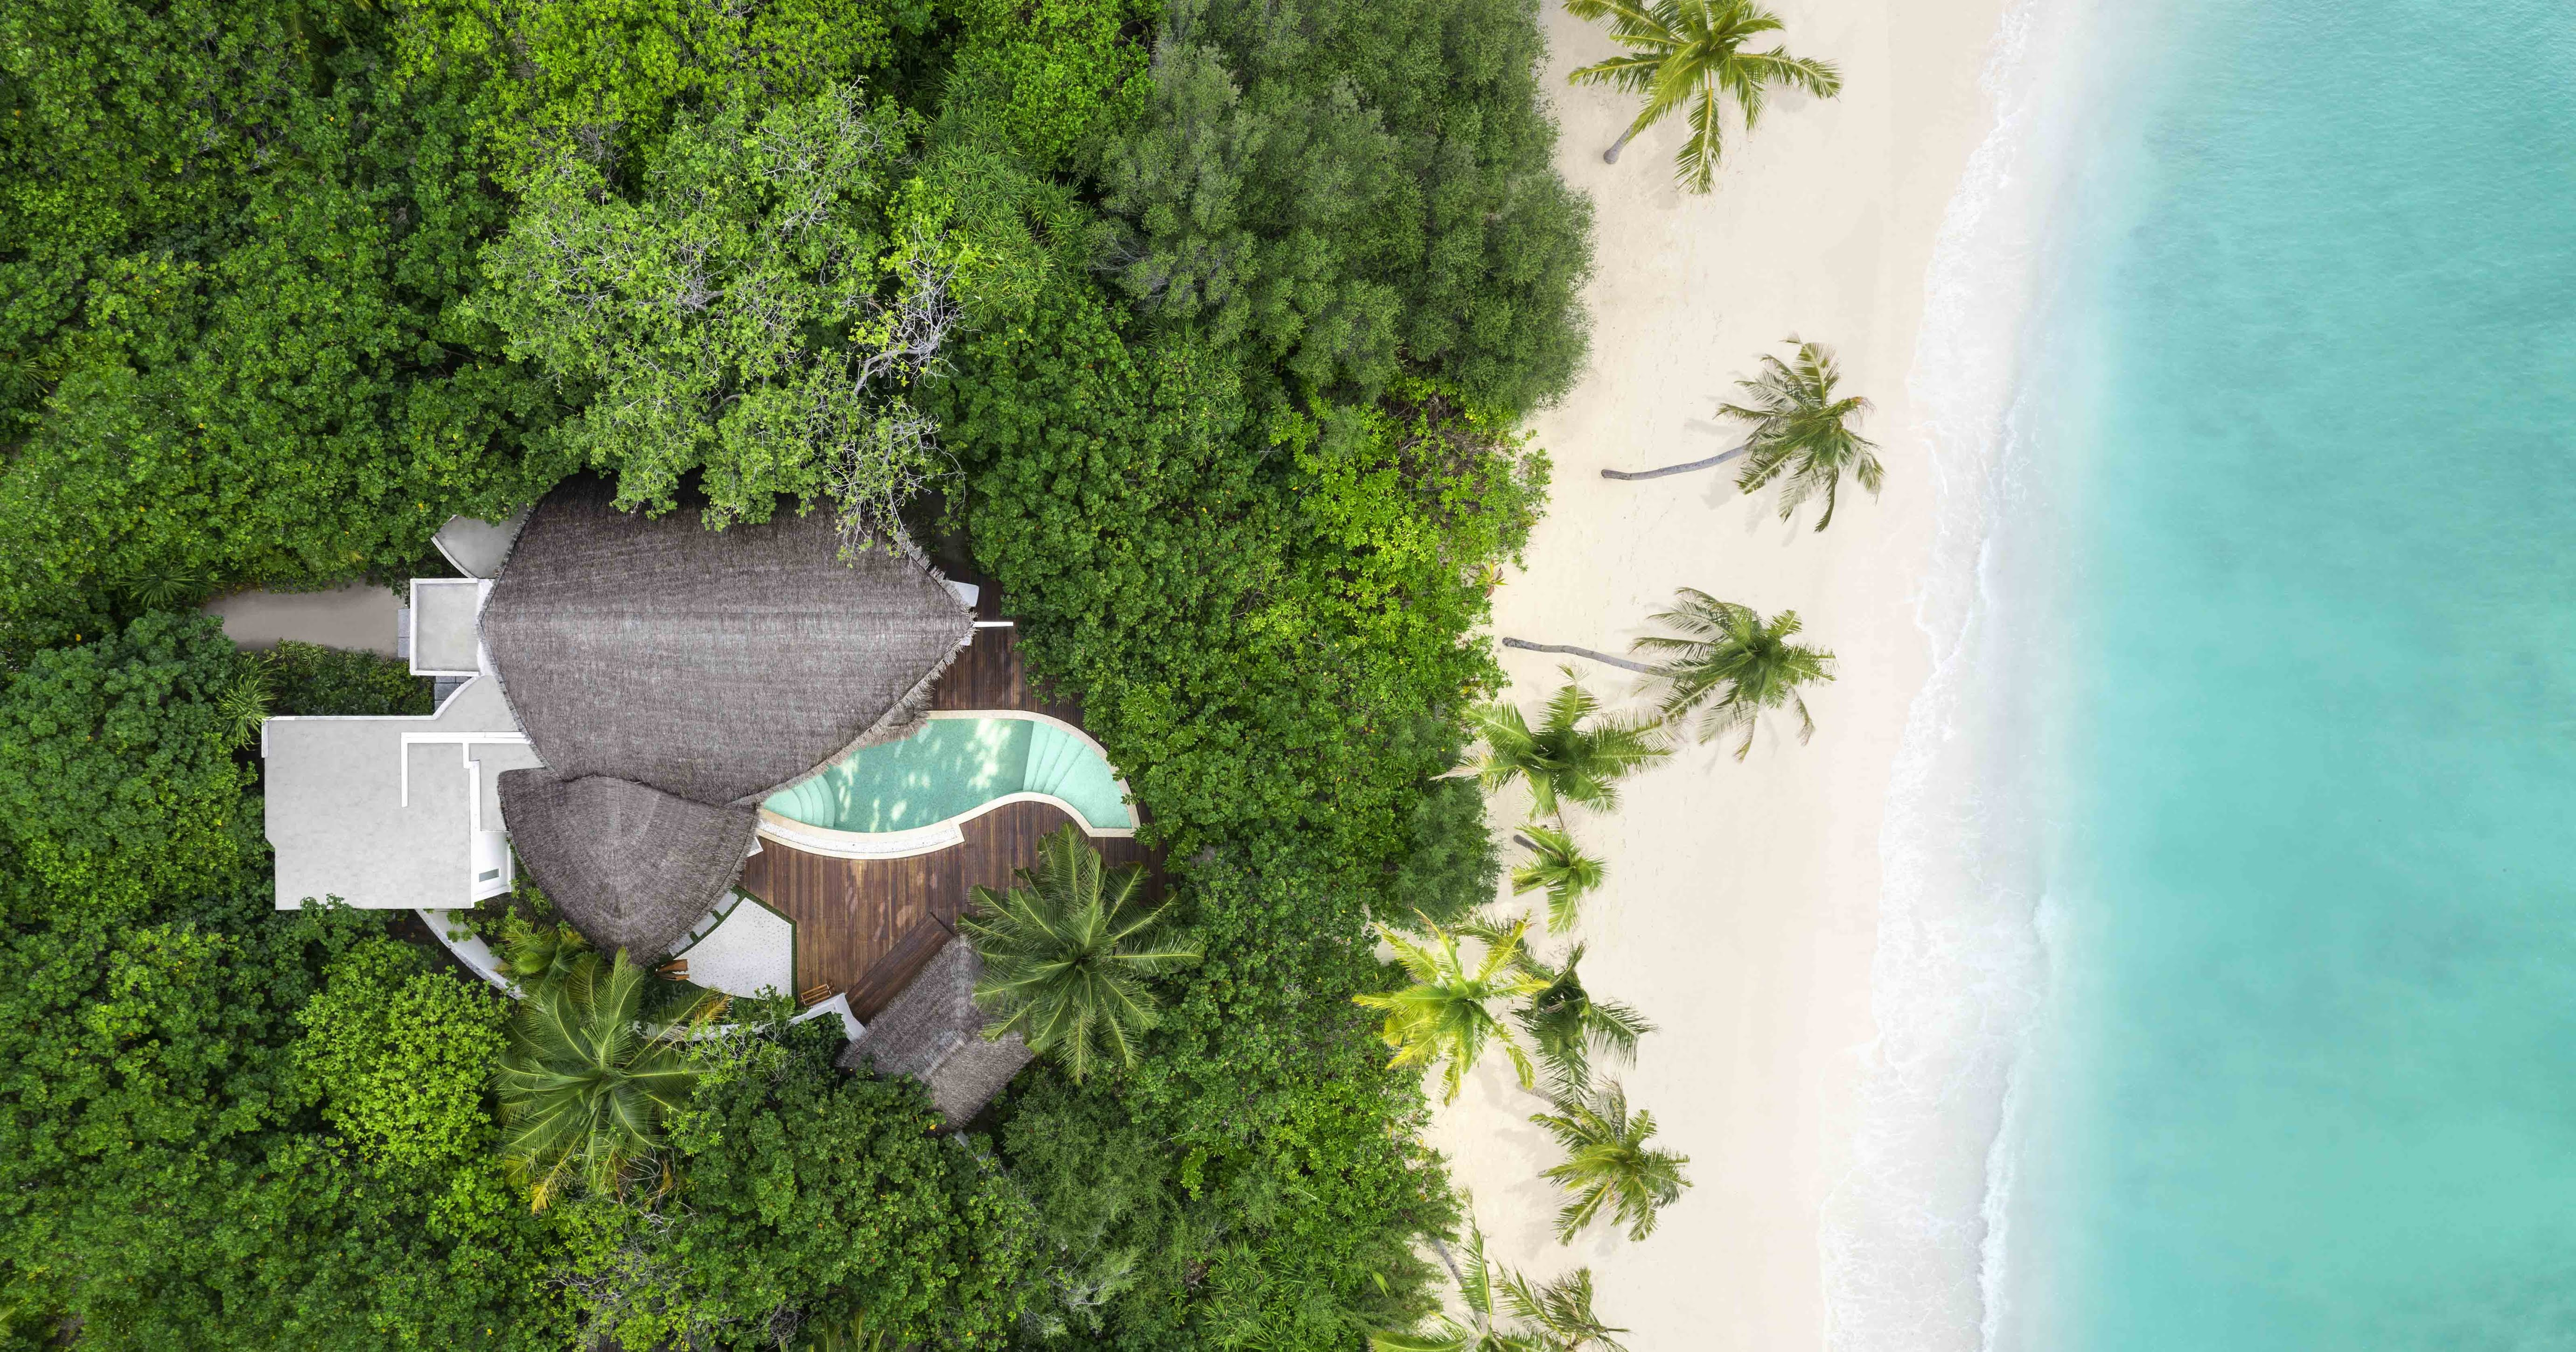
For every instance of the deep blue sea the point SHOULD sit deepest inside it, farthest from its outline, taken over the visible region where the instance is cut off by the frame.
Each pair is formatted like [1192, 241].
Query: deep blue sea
[2301, 742]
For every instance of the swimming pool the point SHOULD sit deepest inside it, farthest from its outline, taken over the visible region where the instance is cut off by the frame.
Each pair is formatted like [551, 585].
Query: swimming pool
[912, 793]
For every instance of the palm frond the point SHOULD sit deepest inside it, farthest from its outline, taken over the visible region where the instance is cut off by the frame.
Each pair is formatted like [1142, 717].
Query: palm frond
[1557, 864]
[1067, 953]
[1608, 1163]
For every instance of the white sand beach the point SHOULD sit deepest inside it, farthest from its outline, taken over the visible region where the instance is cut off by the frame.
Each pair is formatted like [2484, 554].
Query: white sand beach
[1741, 908]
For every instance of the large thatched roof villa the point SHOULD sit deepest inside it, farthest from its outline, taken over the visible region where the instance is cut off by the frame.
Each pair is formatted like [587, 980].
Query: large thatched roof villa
[738, 751]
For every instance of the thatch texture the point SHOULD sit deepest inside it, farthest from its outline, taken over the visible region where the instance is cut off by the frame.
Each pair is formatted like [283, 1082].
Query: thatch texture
[630, 866]
[934, 1033]
[715, 666]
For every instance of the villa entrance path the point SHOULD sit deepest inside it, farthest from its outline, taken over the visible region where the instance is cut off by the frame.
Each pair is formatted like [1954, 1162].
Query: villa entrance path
[866, 926]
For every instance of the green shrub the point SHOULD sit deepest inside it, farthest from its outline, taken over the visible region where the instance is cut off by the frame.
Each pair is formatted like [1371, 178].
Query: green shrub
[118, 781]
[308, 679]
[610, 76]
[1060, 76]
[397, 1054]
[1266, 622]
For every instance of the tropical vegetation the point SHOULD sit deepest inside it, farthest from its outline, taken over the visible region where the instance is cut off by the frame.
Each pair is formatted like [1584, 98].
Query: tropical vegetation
[1204, 331]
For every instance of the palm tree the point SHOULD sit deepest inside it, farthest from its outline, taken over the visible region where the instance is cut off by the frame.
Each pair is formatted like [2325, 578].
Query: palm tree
[1067, 951]
[1569, 1027]
[1732, 666]
[243, 703]
[539, 954]
[1691, 51]
[583, 1085]
[1556, 1317]
[1799, 428]
[1608, 1163]
[1802, 434]
[1557, 864]
[1444, 1014]
[1562, 758]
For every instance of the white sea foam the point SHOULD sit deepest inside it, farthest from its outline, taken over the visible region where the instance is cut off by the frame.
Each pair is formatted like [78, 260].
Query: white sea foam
[1916, 1237]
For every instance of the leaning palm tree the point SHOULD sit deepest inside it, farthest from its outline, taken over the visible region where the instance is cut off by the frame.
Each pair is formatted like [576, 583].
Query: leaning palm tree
[1067, 952]
[1446, 1014]
[1557, 864]
[1802, 434]
[1730, 666]
[1690, 52]
[1608, 1163]
[1562, 757]
[1556, 1317]
[1800, 430]
[583, 1084]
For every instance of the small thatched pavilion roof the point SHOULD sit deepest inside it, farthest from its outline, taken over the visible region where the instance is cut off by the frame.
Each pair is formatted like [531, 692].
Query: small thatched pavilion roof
[934, 1033]
[717, 666]
[629, 865]
[671, 677]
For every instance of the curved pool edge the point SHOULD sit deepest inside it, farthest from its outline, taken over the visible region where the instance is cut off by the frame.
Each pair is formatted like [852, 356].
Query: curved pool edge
[946, 833]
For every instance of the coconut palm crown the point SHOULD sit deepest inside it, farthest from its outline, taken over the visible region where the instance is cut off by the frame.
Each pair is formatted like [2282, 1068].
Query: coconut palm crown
[1608, 1163]
[1730, 666]
[1569, 1026]
[1067, 953]
[1802, 434]
[1559, 866]
[1446, 1015]
[1690, 52]
[1563, 757]
[584, 1085]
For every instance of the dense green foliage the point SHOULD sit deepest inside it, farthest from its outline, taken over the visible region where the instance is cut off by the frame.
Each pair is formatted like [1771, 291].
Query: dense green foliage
[729, 321]
[1210, 325]
[117, 776]
[307, 678]
[814, 1195]
[233, 253]
[1352, 185]
[398, 1056]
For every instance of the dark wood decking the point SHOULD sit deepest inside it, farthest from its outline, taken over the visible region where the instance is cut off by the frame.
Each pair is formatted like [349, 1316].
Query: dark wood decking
[865, 926]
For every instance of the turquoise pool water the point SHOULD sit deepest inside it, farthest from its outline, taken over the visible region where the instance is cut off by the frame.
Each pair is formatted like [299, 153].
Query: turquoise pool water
[2305, 1073]
[951, 767]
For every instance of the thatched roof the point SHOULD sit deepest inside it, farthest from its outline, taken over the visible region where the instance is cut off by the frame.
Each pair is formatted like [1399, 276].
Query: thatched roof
[715, 666]
[629, 865]
[934, 1033]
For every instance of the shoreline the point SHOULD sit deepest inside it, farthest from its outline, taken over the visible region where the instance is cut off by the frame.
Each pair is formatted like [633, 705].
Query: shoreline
[1741, 912]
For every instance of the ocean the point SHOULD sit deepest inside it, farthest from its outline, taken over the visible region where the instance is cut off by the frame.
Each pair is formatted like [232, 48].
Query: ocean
[2227, 980]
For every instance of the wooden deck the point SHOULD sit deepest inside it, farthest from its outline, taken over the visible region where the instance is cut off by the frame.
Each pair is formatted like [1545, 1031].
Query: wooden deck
[865, 926]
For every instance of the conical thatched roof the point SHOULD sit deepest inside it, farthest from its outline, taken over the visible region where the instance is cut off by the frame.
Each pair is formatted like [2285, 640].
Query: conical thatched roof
[717, 666]
[934, 1033]
[630, 866]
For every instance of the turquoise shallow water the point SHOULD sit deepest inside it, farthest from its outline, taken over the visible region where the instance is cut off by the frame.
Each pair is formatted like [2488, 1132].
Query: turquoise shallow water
[2307, 1072]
